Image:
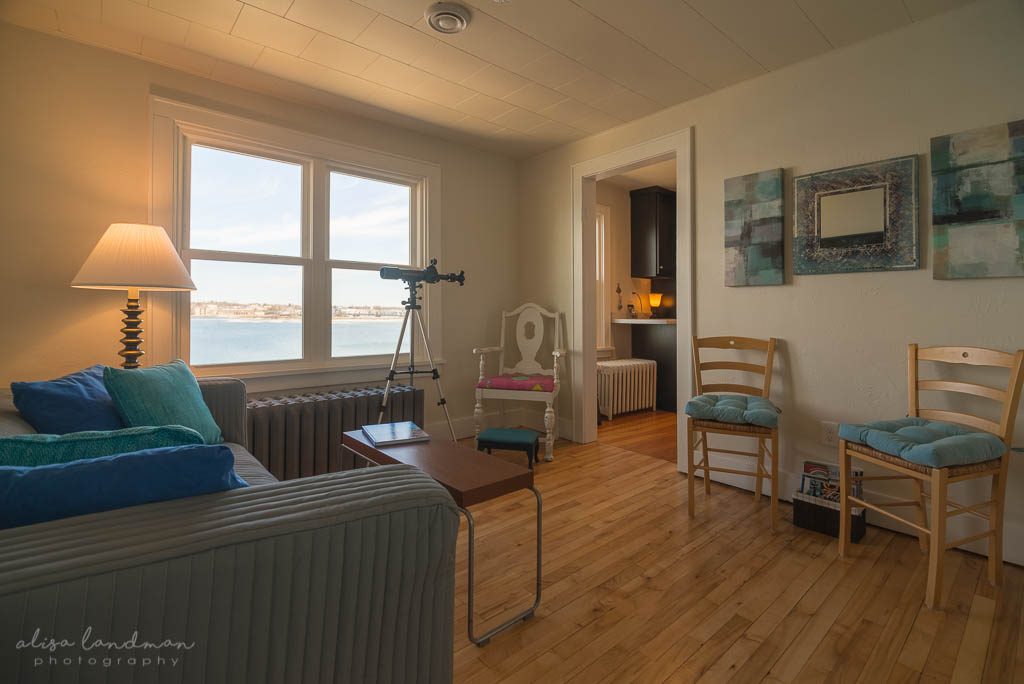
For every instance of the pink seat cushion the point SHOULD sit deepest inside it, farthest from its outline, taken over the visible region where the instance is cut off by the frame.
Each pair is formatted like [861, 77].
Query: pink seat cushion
[520, 383]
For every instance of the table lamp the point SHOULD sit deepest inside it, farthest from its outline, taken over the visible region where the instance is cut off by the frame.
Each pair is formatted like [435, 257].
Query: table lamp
[655, 300]
[133, 257]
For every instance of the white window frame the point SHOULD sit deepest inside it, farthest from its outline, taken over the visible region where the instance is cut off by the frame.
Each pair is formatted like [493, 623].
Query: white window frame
[176, 127]
[602, 230]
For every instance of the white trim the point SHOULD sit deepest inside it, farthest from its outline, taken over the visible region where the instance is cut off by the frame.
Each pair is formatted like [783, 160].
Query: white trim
[176, 125]
[602, 293]
[582, 354]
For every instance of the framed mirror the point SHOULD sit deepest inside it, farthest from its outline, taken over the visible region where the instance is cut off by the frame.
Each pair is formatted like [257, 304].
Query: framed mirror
[857, 218]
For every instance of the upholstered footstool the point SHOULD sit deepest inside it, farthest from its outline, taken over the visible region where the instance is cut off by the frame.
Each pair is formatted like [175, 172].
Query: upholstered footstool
[511, 439]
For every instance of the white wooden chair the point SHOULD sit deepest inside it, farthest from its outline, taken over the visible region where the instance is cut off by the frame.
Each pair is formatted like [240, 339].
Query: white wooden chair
[535, 332]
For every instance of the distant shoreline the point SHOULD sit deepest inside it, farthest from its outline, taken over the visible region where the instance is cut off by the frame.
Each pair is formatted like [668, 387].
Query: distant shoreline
[268, 319]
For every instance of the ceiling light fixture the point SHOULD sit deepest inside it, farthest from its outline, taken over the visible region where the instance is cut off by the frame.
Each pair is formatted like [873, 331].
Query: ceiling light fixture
[447, 17]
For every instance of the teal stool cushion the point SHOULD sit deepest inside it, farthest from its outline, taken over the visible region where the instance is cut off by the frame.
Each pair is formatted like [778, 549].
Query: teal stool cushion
[513, 437]
[738, 409]
[161, 395]
[929, 443]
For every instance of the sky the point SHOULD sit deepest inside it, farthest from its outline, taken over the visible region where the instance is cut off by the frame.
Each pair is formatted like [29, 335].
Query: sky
[242, 203]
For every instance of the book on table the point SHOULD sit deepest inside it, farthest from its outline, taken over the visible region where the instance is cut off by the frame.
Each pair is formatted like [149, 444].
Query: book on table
[390, 434]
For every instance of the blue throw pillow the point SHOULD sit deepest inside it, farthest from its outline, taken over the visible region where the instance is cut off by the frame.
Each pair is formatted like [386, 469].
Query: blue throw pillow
[50, 492]
[162, 395]
[36, 450]
[74, 403]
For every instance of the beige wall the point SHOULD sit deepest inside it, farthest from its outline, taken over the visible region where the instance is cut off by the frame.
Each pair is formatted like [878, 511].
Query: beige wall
[844, 352]
[76, 157]
[617, 251]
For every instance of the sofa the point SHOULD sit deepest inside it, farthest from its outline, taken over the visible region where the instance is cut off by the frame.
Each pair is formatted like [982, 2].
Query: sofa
[346, 577]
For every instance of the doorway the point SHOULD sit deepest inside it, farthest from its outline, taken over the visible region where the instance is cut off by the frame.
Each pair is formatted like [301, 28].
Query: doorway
[676, 148]
[635, 308]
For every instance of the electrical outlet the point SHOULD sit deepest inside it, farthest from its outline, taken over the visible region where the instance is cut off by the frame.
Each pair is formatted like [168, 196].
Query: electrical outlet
[829, 433]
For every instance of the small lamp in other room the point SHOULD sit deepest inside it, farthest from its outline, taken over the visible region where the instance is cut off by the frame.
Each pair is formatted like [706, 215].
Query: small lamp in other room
[133, 257]
[655, 300]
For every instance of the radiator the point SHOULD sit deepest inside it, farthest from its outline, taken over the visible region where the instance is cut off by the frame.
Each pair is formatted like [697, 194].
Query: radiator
[625, 385]
[300, 436]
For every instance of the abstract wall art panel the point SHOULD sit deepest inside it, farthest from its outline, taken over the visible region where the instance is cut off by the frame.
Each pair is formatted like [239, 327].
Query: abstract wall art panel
[753, 229]
[858, 218]
[978, 203]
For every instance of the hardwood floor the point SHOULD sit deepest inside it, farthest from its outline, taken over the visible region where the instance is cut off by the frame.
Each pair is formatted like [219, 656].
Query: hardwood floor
[634, 591]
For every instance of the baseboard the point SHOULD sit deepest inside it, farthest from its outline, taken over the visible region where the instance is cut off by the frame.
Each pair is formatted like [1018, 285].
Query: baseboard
[789, 482]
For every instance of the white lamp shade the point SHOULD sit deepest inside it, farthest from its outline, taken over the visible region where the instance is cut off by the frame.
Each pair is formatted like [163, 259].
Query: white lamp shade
[134, 256]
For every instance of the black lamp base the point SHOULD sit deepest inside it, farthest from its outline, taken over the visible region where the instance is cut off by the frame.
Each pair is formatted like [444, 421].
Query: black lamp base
[132, 332]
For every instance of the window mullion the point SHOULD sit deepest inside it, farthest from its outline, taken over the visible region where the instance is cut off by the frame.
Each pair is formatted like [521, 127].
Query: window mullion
[317, 315]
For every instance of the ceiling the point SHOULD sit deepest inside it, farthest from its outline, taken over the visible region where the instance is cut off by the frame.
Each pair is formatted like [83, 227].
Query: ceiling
[526, 75]
[661, 173]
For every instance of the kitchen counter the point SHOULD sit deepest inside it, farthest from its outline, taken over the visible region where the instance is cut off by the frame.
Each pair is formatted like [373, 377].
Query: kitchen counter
[644, 321]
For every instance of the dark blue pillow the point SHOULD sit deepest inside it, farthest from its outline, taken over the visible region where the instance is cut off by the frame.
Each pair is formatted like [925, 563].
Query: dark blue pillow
[31, 495]
[75, 403]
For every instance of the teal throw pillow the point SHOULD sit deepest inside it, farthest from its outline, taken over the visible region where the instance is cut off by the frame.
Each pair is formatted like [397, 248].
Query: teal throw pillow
[162, 395]
[37, 450]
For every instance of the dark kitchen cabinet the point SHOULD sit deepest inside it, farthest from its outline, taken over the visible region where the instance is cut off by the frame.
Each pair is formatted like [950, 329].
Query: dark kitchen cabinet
[658, 342]
[653, 233]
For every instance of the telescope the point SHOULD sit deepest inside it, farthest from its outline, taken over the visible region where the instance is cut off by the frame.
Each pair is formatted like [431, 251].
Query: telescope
[425, 275]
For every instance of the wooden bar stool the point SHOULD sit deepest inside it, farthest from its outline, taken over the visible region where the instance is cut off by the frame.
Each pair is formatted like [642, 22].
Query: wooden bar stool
[741, 411]
[932, 447]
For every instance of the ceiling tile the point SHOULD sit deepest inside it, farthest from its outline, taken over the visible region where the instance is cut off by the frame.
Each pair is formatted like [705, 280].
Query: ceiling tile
[278, 7]
[485, 107]
[98, 33]
[554, 70]
[177, 56]
[273, 31]
[340, 18]
[218, 14]
[405, 11]
[847, 21]
[675, 31]
[520, 119]
[289, 67]
[580, 116]
[479, 126]
[626, 105]
[554, 132]
[448, 62]
[442, 92]
[394, 39]
[922, 9]
[495, 81]
[30, 15]
[145, 20]
[492, 41]
[222, 45]
[590, 87]
[338, 54]
[534, 97]
[393, 74]
[86, 9]
[774, 32]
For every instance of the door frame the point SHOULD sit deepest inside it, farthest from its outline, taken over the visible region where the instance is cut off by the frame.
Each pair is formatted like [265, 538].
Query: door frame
[583, 355]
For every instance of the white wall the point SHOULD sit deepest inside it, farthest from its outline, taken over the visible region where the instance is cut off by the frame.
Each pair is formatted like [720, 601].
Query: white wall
[618, 254]
[76, 157]
[843, 355]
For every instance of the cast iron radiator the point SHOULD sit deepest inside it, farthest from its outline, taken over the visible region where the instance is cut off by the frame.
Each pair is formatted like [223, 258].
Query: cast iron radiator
[300, 435]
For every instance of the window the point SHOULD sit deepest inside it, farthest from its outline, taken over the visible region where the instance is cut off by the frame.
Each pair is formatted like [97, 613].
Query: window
[603, 317]
[284, 235]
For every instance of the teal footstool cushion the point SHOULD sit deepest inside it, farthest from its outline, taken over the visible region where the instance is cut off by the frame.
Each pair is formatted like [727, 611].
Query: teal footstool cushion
[929, 443]
[738, 409]
[513, 439]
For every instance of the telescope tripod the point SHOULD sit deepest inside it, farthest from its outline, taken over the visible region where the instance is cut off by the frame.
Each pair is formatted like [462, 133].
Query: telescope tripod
[412, 312]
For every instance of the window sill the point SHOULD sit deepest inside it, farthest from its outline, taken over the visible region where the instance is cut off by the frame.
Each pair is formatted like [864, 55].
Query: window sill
[291, 378]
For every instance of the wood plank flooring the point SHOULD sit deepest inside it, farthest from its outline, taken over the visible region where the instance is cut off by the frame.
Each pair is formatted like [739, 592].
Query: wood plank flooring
[635, 591]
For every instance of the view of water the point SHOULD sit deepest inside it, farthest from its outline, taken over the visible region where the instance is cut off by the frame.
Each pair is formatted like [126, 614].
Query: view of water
[235, 340]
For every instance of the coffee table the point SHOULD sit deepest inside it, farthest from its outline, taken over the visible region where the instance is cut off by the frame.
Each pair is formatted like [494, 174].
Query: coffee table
[471, 477]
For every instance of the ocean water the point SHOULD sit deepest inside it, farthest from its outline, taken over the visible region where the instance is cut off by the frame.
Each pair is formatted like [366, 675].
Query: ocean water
[236, 340]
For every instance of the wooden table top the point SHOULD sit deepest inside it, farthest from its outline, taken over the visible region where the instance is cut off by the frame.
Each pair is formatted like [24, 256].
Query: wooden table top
[470, 476]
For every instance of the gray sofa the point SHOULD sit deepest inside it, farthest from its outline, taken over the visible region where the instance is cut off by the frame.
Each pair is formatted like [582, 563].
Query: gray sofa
[347, 577]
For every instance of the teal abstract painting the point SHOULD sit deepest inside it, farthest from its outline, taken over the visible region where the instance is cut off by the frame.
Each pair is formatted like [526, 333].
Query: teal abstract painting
[753, 229]
[978, 203]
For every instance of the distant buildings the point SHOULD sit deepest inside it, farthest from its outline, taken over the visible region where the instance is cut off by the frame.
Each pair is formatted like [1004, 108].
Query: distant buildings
[289, 311]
